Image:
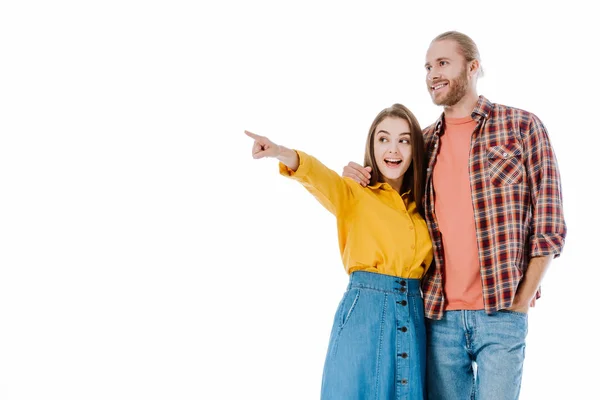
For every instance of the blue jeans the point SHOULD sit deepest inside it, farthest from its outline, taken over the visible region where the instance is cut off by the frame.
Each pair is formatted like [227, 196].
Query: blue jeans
[377, 344]
[473, 355]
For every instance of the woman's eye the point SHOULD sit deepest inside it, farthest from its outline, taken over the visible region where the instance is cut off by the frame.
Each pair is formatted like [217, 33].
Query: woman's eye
[382, 139]
[405, 141]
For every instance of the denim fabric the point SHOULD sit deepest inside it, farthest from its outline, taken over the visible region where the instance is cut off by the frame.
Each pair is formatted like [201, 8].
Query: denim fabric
[377, 344]
[473, 355]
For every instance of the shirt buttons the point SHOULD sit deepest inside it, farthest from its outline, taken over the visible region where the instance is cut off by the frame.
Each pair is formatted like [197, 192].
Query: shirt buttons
[412, 246]
[505, 155]
[411, 227]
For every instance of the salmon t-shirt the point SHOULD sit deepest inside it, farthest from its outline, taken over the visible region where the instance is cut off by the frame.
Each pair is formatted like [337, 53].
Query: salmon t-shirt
[454, 211]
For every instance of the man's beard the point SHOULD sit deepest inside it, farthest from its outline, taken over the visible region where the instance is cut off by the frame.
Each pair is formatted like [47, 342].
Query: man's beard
[458, 89]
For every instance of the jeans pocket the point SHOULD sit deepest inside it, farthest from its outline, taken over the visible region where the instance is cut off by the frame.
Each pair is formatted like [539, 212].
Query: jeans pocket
[521, 314]
[347, 306]
[417, 309]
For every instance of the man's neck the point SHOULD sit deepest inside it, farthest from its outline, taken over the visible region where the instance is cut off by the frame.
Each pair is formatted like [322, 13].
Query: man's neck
[464, 107]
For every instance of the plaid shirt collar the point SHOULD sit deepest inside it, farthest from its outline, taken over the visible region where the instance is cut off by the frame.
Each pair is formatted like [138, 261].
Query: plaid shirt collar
[481, 111]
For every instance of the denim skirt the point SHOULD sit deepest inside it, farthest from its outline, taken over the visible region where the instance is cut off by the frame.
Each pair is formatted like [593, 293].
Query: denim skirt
[377, 344]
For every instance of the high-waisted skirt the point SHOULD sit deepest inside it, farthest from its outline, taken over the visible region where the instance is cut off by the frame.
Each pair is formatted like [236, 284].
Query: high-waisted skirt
[377, 345]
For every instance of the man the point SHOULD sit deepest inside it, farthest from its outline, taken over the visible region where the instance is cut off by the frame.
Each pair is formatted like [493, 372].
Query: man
[493, 205]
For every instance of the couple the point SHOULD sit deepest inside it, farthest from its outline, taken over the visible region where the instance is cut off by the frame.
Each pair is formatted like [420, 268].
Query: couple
[467, 212]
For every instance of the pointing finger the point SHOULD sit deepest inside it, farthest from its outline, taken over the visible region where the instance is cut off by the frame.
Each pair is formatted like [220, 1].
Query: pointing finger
[253, 135]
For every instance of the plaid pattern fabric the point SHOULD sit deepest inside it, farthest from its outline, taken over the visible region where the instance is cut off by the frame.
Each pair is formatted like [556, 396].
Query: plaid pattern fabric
[517, 202]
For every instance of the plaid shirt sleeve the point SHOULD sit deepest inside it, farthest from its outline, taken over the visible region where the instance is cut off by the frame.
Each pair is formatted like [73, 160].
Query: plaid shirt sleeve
[548, 225]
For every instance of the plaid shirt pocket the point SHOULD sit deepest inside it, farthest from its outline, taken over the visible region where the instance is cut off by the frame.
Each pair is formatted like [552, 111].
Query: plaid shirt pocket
[505, 164]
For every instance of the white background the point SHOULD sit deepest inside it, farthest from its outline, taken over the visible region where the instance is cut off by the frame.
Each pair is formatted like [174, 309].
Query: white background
[145, 255]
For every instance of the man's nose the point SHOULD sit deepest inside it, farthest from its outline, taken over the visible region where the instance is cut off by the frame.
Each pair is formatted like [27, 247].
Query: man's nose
[433, 75]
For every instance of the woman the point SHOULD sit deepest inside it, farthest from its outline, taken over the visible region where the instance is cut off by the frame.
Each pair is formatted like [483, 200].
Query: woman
[377, 344]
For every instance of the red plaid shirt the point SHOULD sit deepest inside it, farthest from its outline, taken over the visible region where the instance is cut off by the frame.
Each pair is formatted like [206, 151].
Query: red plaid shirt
[517, 202]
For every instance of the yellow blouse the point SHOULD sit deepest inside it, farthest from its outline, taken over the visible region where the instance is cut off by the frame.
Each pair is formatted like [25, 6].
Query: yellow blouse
[377, 230]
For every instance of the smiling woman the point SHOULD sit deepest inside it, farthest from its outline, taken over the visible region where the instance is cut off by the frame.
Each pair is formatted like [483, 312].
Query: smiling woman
[394, 147]
[377, 342]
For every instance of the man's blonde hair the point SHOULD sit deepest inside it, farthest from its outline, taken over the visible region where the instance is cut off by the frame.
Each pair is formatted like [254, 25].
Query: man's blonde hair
[467, 46]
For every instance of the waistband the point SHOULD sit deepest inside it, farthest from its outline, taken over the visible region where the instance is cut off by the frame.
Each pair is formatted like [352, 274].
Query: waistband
[385, 283]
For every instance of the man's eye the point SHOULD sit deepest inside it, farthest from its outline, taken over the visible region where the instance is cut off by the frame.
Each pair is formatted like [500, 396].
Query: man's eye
[428, 68]
[442, 63]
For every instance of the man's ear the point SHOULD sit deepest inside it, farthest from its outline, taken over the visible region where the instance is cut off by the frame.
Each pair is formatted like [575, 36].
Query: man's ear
[473, 68]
